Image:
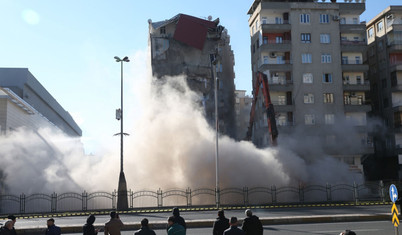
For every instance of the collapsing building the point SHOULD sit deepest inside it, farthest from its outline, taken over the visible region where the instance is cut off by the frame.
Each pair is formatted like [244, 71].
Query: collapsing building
[186, 45]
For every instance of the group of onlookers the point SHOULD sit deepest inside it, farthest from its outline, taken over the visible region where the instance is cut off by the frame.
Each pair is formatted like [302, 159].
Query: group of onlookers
[176, 226]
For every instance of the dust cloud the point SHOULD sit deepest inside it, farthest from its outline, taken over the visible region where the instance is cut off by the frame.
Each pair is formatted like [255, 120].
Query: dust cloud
[172, 146]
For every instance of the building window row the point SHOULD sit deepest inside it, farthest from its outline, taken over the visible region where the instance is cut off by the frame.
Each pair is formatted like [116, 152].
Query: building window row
[309, 119]
[328, 98]
[306, 38]
[305, 18]
[325, 58]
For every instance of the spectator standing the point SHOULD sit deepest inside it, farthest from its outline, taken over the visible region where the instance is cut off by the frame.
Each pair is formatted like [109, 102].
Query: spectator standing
[221, 223]
[89, 228]
[52, 229]
[252, 224]
[144, 228]
[233, 230]
[114, 225]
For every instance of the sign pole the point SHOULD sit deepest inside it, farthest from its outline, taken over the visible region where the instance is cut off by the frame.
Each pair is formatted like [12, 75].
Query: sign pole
[393, 195]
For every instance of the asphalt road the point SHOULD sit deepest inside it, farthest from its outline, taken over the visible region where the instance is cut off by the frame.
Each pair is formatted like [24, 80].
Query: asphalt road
[366, 228]
[202, 215]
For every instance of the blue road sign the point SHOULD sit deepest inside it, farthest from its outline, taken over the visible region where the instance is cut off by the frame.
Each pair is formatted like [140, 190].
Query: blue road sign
[393, 193]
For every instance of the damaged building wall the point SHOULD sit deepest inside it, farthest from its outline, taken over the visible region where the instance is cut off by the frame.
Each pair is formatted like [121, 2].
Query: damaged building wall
[173, 54]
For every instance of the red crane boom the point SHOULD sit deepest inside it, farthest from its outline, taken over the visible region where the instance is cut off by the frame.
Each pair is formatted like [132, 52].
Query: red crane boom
[261, 81]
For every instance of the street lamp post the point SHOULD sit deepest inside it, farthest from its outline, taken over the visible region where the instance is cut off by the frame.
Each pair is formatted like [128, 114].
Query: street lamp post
[216, 65]
[122, 200]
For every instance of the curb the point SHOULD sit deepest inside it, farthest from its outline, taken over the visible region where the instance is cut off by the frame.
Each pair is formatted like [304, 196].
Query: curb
[208, 223]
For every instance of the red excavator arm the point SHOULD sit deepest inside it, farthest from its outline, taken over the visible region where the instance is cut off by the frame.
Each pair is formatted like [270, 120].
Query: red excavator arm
[261, 81]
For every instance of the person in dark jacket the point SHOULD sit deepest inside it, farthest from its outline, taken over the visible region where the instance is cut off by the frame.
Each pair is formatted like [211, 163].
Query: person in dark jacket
[174, 228]
[52, 229]
[144, 228]
[252, 224]
[178, 218]
[7, 228]
[233, 230]
[13, 220]
[89, 228]
[221, 224]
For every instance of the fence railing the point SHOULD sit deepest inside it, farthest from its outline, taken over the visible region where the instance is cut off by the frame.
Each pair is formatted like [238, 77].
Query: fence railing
[35, 203]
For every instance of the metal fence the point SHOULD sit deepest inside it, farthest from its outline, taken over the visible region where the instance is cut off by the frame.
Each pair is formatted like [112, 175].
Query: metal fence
[37, 203]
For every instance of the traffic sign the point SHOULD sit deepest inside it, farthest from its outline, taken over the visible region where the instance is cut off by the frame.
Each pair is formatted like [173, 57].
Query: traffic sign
[393, 193]
[395, 213]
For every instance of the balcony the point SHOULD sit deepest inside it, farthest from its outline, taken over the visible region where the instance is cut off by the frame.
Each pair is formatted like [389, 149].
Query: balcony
[395, 46]
[283, 107]
[280, 84]
[354, 66]
[353, 46]
[353, 28]
[284, 65]
[276, 28]
[357, 105]
[356, 86]
[280, 46]
[396, 88]
[395, 66]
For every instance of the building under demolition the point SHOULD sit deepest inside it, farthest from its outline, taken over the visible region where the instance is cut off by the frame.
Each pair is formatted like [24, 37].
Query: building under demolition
[186, 45]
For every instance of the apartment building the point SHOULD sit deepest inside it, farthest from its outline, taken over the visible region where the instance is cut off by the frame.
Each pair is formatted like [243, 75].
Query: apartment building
[185, 45]
[384, 55]
[313, 54]
[242, 108]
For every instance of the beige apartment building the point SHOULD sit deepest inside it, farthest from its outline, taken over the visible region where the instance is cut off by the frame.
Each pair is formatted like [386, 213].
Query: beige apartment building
[185, 45]
[384, 55]
[313, 53]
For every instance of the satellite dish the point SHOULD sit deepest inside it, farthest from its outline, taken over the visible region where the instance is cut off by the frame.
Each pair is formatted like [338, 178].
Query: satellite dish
[209, 18]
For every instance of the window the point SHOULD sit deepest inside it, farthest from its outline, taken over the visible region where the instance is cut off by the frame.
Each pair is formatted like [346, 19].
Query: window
[278, 20]
[324, 18]
[253, 48]
[305, 37]
[346, 79]
[305, 18]
[256, 25]
[307, 78]
[279, 39]
[359, 80]
[370, 32]
[345, 60]
[328, 98]
[162, 30]
[327, 78]
[326, 58]
[309, 119]
[280, 60]
[266, 59]
[356, 39]
[380, 26]
[355, 21]
[325, 38]
[343, 20]
[309, 98]
[265, 40]
[306, 59]
[358, 61]
[281, 100]
[264, 20]
[329, 119]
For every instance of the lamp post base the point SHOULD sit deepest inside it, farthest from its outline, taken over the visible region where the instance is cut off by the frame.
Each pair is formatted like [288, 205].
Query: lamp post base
[122, 200]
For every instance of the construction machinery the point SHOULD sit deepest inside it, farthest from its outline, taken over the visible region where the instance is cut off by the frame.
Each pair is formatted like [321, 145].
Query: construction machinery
[261, 81]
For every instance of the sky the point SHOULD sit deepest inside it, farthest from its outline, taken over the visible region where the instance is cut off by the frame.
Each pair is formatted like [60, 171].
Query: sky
[69, 47]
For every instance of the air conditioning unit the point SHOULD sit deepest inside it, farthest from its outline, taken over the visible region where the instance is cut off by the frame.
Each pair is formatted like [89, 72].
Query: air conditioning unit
[272, 55]
[336, 18]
